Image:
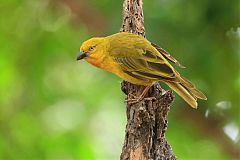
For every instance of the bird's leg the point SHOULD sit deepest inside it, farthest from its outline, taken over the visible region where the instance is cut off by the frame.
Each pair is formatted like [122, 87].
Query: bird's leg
[136, 99]
[131, 96]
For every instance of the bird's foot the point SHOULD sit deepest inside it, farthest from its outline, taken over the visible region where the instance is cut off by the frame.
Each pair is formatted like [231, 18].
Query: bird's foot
[149, 98]
[132, 99]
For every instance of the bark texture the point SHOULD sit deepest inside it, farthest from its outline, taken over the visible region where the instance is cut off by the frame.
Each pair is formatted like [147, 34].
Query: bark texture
[146, 120]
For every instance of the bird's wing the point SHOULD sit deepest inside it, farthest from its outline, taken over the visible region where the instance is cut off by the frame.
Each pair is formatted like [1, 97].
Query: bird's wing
[167, 55]
[144, 64]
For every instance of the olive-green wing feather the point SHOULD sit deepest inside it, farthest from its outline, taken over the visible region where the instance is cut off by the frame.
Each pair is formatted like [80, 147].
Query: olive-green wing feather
[142, 69]
[137, 56]
[167, 55]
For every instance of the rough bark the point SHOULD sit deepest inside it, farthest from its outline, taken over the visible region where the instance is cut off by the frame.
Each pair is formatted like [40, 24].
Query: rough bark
[146, 120]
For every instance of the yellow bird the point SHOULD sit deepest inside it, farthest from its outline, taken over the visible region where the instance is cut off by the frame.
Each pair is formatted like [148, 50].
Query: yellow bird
[138, 61]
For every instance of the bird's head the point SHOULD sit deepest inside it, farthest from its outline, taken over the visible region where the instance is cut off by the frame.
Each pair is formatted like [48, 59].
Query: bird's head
[89, 48]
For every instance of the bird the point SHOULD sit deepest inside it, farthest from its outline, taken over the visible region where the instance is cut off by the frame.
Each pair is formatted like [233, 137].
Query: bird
[135, 59]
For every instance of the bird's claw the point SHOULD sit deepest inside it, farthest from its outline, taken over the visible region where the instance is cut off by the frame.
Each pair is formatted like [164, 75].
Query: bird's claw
[132, 99]
[132, 96]
[150, 98]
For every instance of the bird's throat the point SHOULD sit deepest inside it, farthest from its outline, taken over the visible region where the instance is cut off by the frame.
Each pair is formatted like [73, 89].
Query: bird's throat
[93, 61]
[96, 60]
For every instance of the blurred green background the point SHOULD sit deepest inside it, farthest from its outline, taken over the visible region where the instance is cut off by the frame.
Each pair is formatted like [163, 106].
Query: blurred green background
[53, 107]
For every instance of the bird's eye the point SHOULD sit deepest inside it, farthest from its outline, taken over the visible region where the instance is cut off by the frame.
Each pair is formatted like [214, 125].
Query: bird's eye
[91, 48]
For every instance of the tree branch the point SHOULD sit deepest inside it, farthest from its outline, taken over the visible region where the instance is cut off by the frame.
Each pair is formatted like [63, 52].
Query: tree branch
[146, 120]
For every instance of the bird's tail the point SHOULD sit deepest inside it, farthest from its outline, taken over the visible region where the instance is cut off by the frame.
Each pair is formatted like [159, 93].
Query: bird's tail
[187, 91]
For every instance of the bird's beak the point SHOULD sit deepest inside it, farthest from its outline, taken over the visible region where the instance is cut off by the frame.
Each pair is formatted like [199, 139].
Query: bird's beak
[81, 55]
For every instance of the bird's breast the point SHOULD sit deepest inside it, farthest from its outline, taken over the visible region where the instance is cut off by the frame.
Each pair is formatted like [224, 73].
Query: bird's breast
[108, 64]
[94, 61]
[103, 62]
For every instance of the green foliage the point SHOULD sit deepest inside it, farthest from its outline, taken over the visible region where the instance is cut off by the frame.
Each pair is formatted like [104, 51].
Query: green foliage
[53, 107]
